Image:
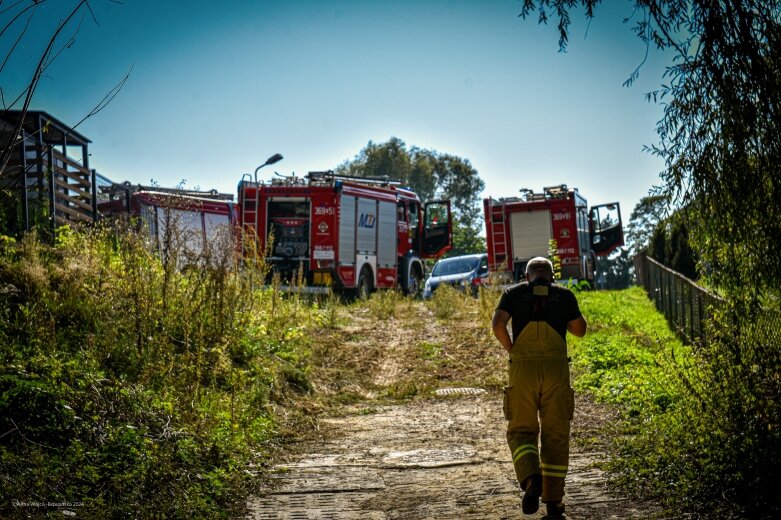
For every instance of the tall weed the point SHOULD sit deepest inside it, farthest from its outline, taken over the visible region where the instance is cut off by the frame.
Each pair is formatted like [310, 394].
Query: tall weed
[448, 302]
[141, 384]
[384, 304]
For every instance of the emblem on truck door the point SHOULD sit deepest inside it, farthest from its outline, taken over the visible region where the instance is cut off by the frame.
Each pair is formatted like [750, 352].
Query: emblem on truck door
[366, 220]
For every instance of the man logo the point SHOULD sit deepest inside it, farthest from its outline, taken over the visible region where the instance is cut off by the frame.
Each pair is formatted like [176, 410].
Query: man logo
[366, 220]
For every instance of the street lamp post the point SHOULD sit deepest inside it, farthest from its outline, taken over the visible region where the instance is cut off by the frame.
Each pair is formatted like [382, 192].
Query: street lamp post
[271, 160]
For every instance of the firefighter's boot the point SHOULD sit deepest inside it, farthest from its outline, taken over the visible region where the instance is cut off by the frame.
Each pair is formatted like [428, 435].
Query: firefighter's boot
[530, 502]
[554, 511]
[539, 381]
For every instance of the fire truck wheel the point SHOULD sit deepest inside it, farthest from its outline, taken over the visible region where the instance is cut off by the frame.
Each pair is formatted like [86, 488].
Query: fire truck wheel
[364, 287]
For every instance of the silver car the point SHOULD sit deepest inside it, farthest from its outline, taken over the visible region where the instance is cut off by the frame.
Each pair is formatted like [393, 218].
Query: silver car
[466, 272]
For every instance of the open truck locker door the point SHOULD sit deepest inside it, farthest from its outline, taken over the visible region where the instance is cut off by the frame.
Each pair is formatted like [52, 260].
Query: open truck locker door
[607, 233]
[437, 236]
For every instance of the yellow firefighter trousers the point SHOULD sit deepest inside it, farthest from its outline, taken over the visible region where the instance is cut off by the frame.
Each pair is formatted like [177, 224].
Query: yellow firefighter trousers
[539, 384]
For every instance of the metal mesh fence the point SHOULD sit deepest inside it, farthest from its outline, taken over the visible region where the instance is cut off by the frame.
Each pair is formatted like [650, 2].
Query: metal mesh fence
[686, 305]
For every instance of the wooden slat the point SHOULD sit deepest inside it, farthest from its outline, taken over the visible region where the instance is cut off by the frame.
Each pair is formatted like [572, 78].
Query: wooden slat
[80, 203]
[73, 176]
[72, 212]
[57, 155]
[72, 187]
[70, 162]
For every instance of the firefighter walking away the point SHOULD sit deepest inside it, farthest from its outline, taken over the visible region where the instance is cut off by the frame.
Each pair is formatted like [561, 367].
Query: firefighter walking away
[539, 402]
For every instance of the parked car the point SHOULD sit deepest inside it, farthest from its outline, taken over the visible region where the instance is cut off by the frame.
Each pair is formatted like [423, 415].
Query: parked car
[466, 272]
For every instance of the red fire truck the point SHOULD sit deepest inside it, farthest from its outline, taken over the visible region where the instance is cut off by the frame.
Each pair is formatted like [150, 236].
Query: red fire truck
[520, 228]
[345, 232]
[189, 222]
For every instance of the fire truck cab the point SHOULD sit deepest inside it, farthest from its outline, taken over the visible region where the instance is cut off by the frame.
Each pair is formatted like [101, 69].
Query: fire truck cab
[520, 228]
[349, 233]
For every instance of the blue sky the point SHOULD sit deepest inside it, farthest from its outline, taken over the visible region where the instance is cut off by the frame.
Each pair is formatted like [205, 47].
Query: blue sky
[217, 87]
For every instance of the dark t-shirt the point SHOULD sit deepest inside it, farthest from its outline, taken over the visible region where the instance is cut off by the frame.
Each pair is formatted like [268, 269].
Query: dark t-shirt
[558, 308]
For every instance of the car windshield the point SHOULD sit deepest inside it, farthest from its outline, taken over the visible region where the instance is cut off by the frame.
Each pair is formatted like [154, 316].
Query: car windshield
[455, 266]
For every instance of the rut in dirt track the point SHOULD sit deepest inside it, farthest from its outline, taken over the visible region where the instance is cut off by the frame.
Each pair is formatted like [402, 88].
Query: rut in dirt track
[430, 458]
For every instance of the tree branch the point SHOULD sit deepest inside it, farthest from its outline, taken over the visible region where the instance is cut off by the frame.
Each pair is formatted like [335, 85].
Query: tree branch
[13, 47]
[6, 154]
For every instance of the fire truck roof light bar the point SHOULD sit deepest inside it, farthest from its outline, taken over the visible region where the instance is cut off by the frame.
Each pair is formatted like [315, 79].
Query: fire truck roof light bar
[329, 175]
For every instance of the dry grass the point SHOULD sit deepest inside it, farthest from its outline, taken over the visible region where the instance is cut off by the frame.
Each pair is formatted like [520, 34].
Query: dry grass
[393, 347]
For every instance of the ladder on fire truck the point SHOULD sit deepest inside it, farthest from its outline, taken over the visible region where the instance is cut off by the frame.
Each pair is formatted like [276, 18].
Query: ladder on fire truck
[249, 217]
[499, 243]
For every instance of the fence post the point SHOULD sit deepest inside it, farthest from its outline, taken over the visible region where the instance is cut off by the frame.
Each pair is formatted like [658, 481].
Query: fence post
[52, 194]
[668, 284]
[691, 313]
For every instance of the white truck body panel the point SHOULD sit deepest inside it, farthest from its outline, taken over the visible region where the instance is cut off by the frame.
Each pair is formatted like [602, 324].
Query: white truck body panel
[347, 230]
[366, 236]
[531, 233]
[386, 244]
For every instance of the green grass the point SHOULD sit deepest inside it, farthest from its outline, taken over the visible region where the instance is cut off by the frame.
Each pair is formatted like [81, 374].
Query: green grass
[145, 390]
[625, 357]
[699, 427]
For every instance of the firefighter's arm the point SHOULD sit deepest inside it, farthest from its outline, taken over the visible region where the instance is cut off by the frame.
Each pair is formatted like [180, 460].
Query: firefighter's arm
[578, 326]
[499, 325]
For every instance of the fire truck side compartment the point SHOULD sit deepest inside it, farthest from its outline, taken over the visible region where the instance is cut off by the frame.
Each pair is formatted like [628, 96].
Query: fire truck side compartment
[387, 235]
[366, 234]
[347, 230]
[386, 248]
[288, 219]
[531, 234]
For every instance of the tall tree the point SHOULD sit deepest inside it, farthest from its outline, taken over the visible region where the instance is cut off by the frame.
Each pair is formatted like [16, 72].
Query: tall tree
[422, 176]
[719, 138]
[671, 246]
[616, 269]
[645, 218]
[719, 133]
[432, 176]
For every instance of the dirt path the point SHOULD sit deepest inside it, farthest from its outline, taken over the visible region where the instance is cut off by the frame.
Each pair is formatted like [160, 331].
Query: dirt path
[441, 457]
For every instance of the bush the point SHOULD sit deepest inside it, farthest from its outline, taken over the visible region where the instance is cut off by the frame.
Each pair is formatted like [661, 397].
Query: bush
[137, 385]
[701, 423]
[448, 302]
[722, 444]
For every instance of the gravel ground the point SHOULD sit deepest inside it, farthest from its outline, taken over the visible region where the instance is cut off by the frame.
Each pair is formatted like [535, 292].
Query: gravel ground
[442, 457]
[434, 458]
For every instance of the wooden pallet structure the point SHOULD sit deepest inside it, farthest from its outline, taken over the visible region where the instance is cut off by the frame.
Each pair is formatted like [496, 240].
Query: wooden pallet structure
[48, 174]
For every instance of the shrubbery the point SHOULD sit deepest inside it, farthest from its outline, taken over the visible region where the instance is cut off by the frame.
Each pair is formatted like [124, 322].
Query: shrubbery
[136, 385]
[144, 387]
[701, 430]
